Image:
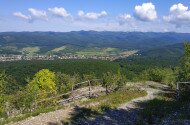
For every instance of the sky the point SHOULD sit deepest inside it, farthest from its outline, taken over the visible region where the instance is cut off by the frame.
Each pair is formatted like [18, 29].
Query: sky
[99, 15]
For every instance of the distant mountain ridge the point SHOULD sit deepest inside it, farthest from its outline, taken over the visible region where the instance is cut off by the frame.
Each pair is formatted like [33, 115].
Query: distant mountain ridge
[14, 42]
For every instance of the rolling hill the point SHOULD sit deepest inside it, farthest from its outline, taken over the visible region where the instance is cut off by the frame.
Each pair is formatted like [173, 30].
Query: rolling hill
[44, 42]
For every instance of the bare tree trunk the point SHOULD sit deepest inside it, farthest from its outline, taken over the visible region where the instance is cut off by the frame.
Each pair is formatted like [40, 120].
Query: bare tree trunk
[106, 89]
[89, 88]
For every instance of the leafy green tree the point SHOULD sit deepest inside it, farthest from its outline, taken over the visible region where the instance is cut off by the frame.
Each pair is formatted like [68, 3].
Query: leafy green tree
[89, 76]
[120, 80]
[113, 81]
[7, 87]
[44, 81]
[8, 84]
[162, 75]
[144, 76]
[184, 70]
[22, 101]
[42, 86]
[107, 80]
[92, 78]
[64, 82]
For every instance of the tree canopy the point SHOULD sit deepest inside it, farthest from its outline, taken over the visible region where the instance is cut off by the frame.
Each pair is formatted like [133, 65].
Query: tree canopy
[184, 71]
[44, 81]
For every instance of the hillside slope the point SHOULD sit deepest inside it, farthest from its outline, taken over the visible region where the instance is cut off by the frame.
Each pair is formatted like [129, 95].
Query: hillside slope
[170, 51]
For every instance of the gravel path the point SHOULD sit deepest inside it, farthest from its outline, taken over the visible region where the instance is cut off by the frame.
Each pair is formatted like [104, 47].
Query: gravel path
[126, 114]
[46, 118]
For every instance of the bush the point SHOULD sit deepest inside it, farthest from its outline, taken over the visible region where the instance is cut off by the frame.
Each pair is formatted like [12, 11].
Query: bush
[23, 101]
[8, 84]
[162, 75]
[113, 81]
[65, 82]
[89, 76]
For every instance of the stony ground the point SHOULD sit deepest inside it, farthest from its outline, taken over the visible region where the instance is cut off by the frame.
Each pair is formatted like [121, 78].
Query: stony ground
[46, 118]
[126, 114]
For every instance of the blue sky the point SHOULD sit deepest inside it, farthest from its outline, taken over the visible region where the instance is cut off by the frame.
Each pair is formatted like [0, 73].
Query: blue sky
[100, 15]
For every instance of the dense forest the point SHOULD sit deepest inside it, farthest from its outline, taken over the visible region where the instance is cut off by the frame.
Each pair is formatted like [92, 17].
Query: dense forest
[131, 67]
[26, 69]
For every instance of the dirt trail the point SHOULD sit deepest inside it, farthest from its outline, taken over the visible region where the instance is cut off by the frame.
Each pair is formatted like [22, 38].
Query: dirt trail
[126, 114]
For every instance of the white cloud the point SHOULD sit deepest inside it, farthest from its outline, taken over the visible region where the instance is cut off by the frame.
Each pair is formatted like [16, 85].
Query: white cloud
[145, 12]
[92, 15]
[38, 14]
[124, 18]
[179, 15]
[60, 12]
[34, 15]
[20, 15]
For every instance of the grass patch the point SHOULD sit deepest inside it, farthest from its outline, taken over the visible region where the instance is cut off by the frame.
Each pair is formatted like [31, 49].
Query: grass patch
[114, 99]
[30, 50]
[98, 51]
[59, 49]
[96, 106]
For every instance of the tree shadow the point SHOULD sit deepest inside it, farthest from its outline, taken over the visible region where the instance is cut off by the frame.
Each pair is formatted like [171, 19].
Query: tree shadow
[165, 88]
[165, 107]
[145, 113]
[86, 116]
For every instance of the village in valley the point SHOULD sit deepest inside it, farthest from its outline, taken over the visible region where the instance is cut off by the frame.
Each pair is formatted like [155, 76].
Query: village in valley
[12, 57]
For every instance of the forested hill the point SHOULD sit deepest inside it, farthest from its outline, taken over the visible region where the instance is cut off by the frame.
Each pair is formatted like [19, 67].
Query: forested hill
[47, 41]
[167, 56]
[170, 51]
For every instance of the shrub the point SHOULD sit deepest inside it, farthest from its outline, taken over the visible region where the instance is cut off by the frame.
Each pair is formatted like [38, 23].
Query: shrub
[113, 81]
[162, 75]
[64, 82]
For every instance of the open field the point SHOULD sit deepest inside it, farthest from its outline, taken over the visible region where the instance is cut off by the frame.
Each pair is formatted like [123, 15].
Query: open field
[30, 50]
